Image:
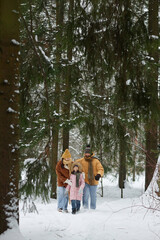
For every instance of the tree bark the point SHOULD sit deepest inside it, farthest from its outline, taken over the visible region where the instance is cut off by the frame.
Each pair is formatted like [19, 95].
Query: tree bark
[122, 157]
[55, 138]
[122, 94]
[153, 112]
[55, 125]
[151, 155]
[67, 93]
[9, 112]
[122, 128]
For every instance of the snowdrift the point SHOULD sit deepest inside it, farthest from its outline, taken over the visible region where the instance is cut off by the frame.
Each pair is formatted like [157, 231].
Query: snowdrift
[151, 198]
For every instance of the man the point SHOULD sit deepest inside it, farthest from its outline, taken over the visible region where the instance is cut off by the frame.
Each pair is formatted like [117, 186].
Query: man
[93, 171]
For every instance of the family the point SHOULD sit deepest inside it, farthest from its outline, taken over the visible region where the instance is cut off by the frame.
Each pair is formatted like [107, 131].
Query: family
[78, 181]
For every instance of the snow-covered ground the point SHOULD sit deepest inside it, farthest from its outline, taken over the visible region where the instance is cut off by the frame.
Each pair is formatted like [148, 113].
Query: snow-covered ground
[114, 218]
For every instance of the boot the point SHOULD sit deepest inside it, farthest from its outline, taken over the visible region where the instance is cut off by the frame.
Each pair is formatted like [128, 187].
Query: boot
[74, 211]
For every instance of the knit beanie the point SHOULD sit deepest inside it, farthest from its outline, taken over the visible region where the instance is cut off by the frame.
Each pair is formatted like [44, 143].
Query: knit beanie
[88, 149]
[66, 154]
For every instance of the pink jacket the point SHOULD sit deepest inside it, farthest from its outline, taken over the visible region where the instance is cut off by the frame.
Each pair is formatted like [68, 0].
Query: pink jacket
[74, 191]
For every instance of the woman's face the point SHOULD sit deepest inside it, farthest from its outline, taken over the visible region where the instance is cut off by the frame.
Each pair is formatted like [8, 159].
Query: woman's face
[75, 168]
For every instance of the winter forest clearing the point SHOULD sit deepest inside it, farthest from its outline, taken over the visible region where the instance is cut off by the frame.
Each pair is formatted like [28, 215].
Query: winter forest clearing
[79, 103]
[114, 218]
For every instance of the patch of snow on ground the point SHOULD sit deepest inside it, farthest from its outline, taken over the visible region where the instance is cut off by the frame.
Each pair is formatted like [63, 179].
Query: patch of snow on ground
[13, 234]
[114, 218]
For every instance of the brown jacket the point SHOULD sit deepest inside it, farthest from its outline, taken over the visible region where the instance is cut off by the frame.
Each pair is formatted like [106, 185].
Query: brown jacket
[62, 174]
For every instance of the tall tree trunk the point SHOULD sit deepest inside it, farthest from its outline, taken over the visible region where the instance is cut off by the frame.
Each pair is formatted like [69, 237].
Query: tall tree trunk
[122, 129]
[9, 112]
[67, 93]
[66, 110]
[55, 137]
[134, 165]
[122, 157]
[55, 126]
[101, 157]
[151, 126]
[151, 155]
[123, 77]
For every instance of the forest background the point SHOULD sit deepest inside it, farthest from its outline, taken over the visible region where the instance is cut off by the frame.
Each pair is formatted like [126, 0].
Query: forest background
[88, 74]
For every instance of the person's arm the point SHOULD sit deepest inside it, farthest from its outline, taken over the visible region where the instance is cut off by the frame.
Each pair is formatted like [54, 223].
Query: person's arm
[100, 170]
[79, 160]
[59, 173]
[82, 182]
[68, 188]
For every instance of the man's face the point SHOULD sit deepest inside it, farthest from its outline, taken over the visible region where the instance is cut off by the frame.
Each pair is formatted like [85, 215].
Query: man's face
[87, 154]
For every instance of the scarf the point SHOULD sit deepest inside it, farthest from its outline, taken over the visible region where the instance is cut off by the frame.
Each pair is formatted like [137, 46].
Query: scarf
[90, 169]
[67, 164]
[77, 177]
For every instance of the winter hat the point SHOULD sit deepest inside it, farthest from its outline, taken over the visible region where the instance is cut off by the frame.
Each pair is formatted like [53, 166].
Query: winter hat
[76, 164]
[66, 154]
[88, 149]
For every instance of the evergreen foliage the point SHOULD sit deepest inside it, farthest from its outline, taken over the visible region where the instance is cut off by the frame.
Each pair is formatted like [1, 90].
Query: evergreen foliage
[36, 181]
[85, 70]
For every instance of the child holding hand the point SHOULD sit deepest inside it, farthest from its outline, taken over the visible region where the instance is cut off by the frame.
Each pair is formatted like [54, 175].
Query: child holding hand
[76, 189]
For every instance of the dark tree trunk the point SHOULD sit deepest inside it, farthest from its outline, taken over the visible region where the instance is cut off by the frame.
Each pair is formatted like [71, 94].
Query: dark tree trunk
[67, 93]
[55, 137]
[9, 112]
[153, 113]
[55, 126]
[122, 157]
[151, 155]
[123, 95]
[122, 129]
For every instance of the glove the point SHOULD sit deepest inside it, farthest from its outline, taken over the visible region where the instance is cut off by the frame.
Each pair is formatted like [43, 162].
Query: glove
[68, 182]
[97, 177]
[80, 191]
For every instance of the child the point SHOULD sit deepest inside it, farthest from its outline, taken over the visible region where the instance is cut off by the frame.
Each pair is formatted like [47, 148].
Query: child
[76, 189]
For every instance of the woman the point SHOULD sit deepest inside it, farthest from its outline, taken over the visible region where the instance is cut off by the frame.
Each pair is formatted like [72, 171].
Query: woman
[63, 171]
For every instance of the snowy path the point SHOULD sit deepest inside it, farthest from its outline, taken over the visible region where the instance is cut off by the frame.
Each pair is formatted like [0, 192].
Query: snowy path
[114, 219]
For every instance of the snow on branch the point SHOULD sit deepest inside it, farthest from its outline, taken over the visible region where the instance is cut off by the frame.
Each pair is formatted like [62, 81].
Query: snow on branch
[48, 60]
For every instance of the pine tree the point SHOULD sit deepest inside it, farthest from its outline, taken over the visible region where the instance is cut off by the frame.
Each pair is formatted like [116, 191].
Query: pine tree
[152, 92]
[85, 72]
[9, 112]
[58, 80]
[68, 77]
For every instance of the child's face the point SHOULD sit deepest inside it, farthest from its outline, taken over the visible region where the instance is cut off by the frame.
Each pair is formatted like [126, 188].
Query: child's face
[75, 168]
